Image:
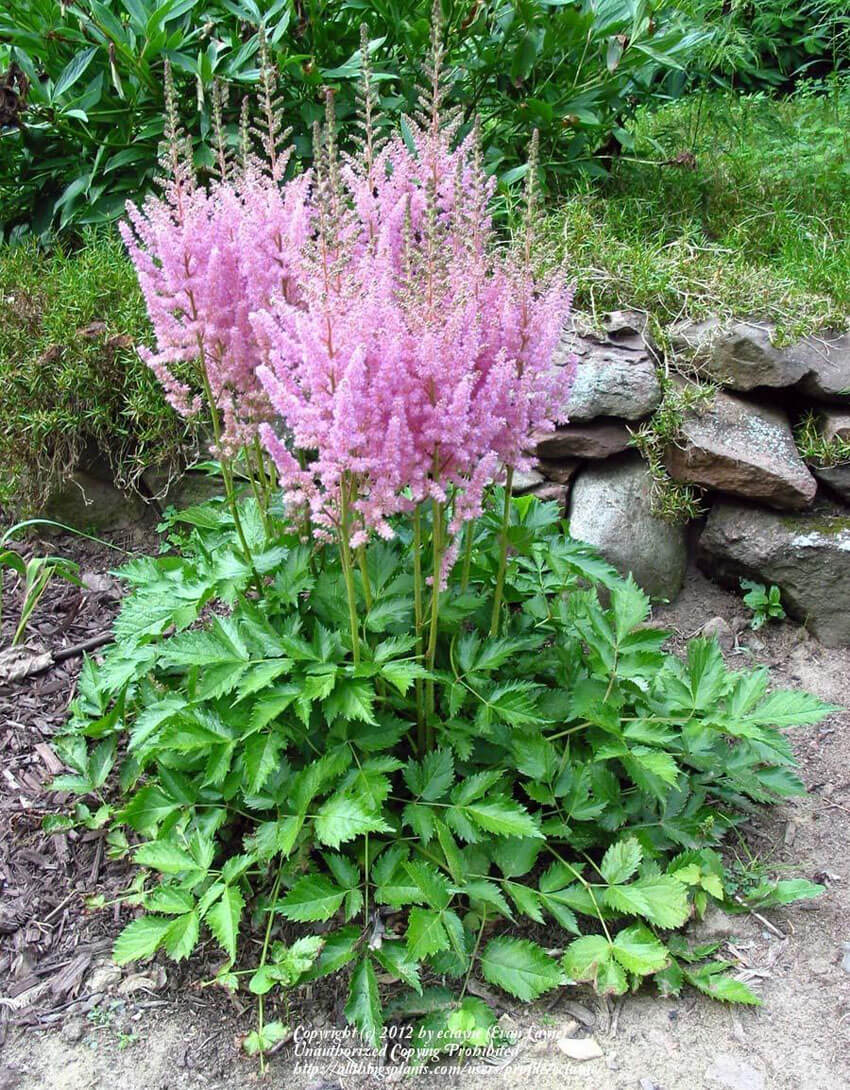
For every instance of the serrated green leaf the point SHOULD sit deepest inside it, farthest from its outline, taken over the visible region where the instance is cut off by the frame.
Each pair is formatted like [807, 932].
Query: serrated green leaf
[430, 778]
[141, 938]
[342, 818]
[502, 816]
[720, 985]
[395, 958]
[660, 899]
[621, 860]
[425, 933]
[519, 967]
[261, 756]
[223, 919]
[313, 897]
[363, 1009]
[584, 956]
[639, 951]
[182, 936]
[165, 856]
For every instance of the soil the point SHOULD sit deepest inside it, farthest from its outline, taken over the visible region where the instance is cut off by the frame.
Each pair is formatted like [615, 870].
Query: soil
[71, 1021]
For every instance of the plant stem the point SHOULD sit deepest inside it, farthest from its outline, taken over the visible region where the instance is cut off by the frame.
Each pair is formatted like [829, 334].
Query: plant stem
[348, 571]
[431, 653]
[503, 555]
[418, 618]
[227, 471]
[467, 554]
[263, 956]
[364, 575]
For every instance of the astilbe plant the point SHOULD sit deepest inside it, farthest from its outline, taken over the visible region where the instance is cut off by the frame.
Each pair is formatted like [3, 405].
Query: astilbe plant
[422, 767]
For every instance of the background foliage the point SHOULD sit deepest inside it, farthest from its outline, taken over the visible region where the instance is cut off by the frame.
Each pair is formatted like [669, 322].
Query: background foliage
[88, 136]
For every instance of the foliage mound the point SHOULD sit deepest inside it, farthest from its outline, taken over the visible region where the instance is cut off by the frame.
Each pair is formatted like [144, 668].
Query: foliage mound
[72, 387]
[572, 774]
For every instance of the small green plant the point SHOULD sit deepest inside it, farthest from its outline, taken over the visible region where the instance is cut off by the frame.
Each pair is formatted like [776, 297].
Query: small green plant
[74, 391]
[816, 448]
[764, 603]
[35, 575]
[671, 500]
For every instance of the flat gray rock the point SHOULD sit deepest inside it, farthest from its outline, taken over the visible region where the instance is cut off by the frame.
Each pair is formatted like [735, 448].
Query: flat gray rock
[834, 425]
[836, 478]
[598, 440]
[614, 382]
[742, 356]
[807, 556]
[610, 508]
[615, 375]
[744, 449]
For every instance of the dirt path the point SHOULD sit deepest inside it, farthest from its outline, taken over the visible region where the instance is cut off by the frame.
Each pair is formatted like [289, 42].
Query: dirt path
[146, 1036]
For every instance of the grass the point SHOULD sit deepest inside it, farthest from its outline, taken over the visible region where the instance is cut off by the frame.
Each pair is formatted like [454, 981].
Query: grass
[71, 382]
[728, 206]
[815, 448]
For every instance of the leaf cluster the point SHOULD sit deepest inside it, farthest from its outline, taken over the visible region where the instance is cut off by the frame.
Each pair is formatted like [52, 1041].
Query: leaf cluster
[581, 778]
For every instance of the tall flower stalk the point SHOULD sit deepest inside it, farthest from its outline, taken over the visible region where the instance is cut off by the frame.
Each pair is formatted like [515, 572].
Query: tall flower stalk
[360, 324]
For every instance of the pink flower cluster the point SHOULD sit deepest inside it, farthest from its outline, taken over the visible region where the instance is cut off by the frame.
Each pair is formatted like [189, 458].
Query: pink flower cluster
[206, 260]
[363, 318]
[418, 356]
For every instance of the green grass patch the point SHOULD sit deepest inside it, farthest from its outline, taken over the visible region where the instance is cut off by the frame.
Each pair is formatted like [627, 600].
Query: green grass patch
[72, 386]
[734, 206]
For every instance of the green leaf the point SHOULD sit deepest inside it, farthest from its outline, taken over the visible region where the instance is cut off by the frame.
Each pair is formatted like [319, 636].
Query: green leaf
[430, 778]
[223, 919]
[520, 967]
[713, 982]
[73, 72]
[363, 1008]
[341, 818]
[432, 885]
[147, 808]
[621, 860]
[501, 816]
[584, 956]
[181, 937]
[272, 1033]
[313, 897]
[396, 959]
[661, 899]
[261, 757]
[339, 948]
[425, 933]
[271, 705]
[639, 951]
[141, 938]
[630, 606]
[403, 673]
[165, 856]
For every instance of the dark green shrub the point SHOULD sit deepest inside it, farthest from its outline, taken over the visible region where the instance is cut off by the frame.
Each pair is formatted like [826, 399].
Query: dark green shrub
[71, 383]
[85, 136]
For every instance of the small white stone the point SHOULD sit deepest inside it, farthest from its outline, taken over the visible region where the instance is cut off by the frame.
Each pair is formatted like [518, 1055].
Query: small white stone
[580, 1048]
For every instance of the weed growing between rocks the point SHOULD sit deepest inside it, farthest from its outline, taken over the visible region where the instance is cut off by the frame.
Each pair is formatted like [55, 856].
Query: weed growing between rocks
[386, 701]
[672, 501]
[817, 448]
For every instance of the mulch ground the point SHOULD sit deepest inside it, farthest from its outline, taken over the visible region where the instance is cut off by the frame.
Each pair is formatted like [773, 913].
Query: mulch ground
[48, 941]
